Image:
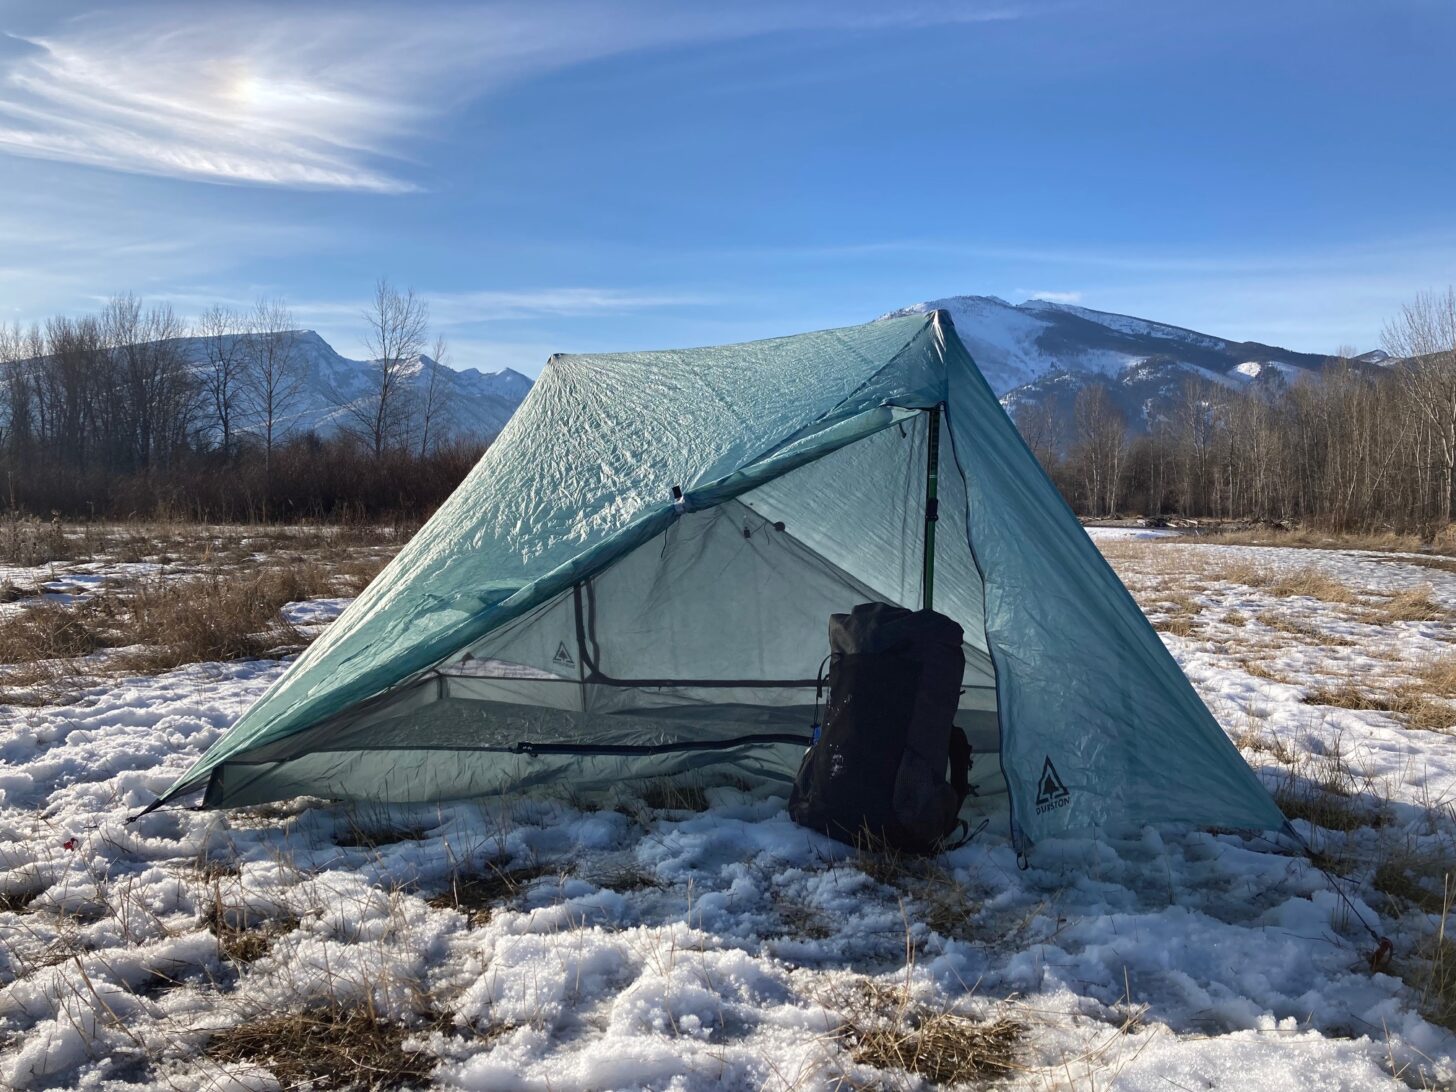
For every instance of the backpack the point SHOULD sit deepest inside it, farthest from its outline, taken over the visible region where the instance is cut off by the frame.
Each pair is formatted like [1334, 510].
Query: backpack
[876, 770]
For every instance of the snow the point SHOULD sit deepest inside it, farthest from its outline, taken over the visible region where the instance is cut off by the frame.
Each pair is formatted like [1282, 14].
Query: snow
[649, 947]
[1129, 534]
[1003, 341]
[1021, 349]
[1127, 324]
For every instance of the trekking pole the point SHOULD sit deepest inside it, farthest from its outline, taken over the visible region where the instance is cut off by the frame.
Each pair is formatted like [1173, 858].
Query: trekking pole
[932, 508]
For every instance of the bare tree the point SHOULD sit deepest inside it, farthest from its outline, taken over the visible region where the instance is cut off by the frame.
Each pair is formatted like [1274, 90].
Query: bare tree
[432, 398]
[272, 373]
[1038, 426]
[16, 394]
[158, 392]
[1424, 334]
[395, 337]
[224, 368]
[1101, 447]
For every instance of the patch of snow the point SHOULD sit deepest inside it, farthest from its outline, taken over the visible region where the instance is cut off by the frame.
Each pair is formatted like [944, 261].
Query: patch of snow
[668, 949]
[1125, 534]
[1127, 324]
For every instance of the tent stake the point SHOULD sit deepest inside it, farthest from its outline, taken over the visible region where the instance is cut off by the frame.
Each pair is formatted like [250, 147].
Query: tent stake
[932, 508]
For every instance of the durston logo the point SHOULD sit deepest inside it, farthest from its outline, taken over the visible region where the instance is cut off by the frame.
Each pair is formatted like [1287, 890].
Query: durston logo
[1051, 791]
[562, 657]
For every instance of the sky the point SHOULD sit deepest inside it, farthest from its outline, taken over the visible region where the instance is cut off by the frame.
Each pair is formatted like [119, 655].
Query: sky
[574, 177]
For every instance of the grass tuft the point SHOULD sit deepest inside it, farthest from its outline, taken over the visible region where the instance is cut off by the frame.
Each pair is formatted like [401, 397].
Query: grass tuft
[1433, 972]
[1315, 584]
[480, 895]
[888, 1029]
[1411, 605]
[670, 795]
[331, 1049]
[1285, 624]
[1322, 790]
[243, 936]
[1179, 625]
[1415, 710]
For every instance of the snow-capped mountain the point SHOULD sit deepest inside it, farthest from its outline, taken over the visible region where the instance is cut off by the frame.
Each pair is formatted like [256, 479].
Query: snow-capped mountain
[1045, 352]
[470, 403]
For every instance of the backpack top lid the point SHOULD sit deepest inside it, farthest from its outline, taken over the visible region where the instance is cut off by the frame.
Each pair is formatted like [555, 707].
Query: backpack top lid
[884, 627]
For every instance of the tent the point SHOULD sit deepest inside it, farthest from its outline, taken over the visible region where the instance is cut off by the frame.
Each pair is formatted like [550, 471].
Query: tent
[636, 579]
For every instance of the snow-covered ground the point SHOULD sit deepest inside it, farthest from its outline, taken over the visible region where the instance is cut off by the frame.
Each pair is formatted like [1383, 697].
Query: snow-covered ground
[540, 945]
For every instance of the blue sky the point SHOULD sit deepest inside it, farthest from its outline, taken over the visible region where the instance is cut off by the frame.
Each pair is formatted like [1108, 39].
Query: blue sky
[590, 176]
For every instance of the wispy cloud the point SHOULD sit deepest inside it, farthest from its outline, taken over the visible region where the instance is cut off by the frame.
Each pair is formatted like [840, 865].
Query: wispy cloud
[326, 95]
[1053, 297]
[239, 103]
[449, 309]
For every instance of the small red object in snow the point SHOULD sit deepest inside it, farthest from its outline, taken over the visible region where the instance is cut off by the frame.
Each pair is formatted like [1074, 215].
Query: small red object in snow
[69, 843]
[1380, 958]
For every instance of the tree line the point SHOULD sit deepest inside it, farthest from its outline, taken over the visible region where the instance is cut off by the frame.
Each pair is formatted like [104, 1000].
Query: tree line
[134, 411]
[1363, 448]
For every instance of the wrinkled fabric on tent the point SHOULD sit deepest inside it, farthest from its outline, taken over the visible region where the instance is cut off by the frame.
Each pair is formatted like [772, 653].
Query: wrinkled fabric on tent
[636, 579]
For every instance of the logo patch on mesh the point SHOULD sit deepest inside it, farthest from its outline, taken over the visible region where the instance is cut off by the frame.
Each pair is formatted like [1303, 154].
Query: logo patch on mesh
[562, 657]
[1051, 791]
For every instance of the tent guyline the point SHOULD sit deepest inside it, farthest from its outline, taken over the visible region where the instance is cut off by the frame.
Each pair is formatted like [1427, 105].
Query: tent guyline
[565, 620]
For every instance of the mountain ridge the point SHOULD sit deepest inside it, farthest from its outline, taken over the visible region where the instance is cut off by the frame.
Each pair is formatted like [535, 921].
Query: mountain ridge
[1040, 354]
[332, 388]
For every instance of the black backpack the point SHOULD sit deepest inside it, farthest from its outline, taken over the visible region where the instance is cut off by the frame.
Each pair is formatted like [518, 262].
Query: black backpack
[876, 771]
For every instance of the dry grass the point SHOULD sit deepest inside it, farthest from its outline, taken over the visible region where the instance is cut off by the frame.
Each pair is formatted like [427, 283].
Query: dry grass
[1285, 624]
[1179, 625]
[1176, 613]
[1414, 880]
[1411, 605]
[1314, 583]
[1309, 581]
[243, 935]
[50, 631]
[887, 1028]
[1439, 677]
[30, 541]
[1235, 618]
[1308, 538]
[1415, 709]
[365, 832]
[627, 877]
[1245, 571]
[1345, 696]
[1437, 982]
[1322, 790]
[670, 794]
[941, 901]
[1426, 886]
[1422, 711]
[480, 895]
[800, 920]
[1261, 670]
[332, 1049]
[156, 624]
[215, 617]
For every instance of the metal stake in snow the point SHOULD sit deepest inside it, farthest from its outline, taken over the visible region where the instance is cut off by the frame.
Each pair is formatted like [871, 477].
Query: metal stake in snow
[932, 509]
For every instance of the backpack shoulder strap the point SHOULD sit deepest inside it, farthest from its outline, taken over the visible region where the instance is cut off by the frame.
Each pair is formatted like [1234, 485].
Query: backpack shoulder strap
[960, 764]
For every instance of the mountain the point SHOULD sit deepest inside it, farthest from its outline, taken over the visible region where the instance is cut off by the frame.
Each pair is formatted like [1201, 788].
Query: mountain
[471, 403]
[1044, 353]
